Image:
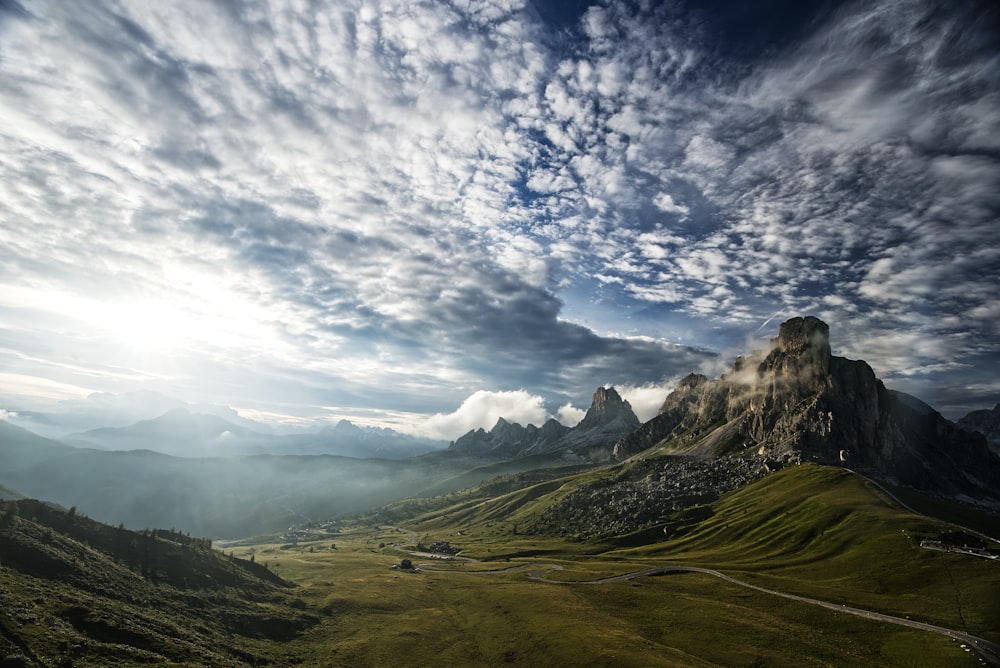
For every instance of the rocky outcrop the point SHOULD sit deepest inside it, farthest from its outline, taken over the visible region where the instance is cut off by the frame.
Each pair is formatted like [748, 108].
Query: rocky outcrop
[682, 411]
[985, 422]
[796, 401]
[608, 411]
[608, 419]
[608, 416]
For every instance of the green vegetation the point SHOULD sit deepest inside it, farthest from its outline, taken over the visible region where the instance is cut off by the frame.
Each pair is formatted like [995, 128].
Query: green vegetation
[814, 531]
[74, 592]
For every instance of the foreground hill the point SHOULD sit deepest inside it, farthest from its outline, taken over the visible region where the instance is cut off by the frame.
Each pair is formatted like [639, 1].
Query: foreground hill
[75, 592]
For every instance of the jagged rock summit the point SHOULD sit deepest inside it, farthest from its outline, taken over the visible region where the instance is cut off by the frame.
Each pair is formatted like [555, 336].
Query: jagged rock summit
[608, 418]
[796, 401]
[608, 410]
[509, 439]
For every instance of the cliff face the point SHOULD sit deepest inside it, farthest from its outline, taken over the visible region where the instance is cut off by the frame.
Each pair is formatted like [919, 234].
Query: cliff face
[797, 402]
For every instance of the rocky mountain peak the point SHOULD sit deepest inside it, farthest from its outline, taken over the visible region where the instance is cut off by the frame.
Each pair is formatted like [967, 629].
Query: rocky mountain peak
[500, 425]
[801, 347]
[506, 432]
[800, 334]
[608, 407]
[604, 396]
[691, 381]
[797, 402]
[344, 427]
[609, 418]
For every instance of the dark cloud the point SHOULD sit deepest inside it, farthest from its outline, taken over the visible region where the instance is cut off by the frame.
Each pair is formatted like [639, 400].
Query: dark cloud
[12, 9]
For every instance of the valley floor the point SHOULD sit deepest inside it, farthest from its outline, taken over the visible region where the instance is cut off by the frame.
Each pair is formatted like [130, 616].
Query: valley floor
[805, 567]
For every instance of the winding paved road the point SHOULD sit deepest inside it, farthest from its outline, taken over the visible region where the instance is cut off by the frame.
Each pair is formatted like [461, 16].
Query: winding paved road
[988, 650]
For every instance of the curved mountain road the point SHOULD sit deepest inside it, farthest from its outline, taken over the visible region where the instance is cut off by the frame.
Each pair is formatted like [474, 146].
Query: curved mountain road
[989, 651]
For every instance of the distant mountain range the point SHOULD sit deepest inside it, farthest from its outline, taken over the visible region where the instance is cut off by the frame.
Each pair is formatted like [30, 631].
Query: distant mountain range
[181, 433]
[214, 496]
[125, 474]
[985, 422]
[104, 409]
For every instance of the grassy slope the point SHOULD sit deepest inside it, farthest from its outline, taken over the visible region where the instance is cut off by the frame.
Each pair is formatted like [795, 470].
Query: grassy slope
[76, 592]
[825, 533]
[810, 530]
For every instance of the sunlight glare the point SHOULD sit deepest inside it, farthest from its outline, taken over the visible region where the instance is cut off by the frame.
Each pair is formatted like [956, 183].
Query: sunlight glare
[150, 326]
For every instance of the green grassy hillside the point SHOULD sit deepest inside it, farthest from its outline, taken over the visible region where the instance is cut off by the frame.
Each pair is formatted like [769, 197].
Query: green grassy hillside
[809, 530]
[74, 592]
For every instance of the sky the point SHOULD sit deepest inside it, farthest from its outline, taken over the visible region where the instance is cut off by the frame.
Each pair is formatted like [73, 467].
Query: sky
[424, 215]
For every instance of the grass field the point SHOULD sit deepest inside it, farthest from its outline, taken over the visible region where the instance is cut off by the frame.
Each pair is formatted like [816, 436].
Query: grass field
[809, 530]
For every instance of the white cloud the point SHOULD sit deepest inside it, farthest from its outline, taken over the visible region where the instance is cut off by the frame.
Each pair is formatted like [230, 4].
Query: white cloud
[664, 202]
[482, 409]
[569, 415]
[705, 152]
[645, 400]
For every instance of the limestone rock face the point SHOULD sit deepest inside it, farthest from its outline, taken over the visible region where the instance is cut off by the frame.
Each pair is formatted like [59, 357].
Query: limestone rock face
[796, 401]
[688, 405]
[609, 418]
[608, 409]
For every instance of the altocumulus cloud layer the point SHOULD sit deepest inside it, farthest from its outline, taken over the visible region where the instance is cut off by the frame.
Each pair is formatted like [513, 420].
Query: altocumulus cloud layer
[381, 210]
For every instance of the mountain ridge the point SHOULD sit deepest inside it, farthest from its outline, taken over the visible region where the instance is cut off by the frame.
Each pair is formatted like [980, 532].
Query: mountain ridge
[795, 401]
[985, 422]
[182, 432]
[219, 497]
[608, 418]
